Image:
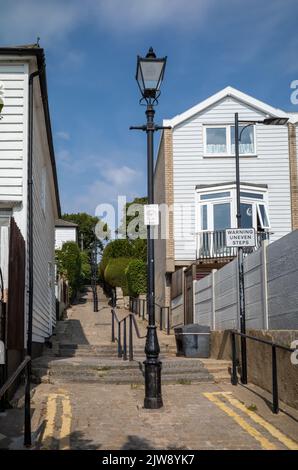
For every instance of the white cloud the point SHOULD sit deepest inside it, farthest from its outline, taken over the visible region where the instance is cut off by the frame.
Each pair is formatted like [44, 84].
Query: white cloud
[63, 135]
[113, 182]
[53, 20]
[23, 21]
[120, 176]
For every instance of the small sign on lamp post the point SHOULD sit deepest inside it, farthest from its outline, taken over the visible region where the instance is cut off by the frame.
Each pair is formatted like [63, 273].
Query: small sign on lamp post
[151, 215]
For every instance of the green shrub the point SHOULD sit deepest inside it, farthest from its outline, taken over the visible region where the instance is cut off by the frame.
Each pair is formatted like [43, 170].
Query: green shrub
[139, 248]
[118, 249]
[69, 263]
[115, 249]
[85, 267]
[114, 273]
[136, 275]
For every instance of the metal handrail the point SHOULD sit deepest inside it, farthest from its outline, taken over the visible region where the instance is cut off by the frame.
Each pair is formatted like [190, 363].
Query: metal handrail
[162, 308]
[122, 351]
[274, 346]
[14, 376]
[212, 244]
[26, 363]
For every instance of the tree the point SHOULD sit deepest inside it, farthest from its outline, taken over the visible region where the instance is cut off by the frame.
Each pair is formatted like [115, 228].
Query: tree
[132, 226]
[86, 226]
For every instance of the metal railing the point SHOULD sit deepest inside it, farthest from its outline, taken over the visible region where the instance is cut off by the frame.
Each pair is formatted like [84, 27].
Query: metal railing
[139, 307]
[25, 364]
[213, 245]
[274, 347]
[129, 321]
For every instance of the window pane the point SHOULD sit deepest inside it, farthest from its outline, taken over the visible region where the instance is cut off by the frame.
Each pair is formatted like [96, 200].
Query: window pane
[204, 223]
[264, 217]
[216, 140]
[246, 145]
[215, 195]
[222, 216]
[246, 215]
[251, 195]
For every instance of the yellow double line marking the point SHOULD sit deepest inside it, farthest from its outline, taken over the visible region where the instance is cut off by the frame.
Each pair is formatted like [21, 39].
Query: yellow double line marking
[51, 434]
[265, 443]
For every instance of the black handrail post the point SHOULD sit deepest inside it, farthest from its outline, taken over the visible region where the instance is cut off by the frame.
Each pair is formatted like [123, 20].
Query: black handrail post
[234, 378]
[130, 339]
[124, 341]
[27, 418]
[168, 321]
[160, 318]
[119, 340]
[143, 309]
[113, 326]
[275, 407]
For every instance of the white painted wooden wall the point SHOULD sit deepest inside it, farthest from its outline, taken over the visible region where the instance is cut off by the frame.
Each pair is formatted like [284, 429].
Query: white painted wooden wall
[63, 235]
[13, 140]
[13, 185]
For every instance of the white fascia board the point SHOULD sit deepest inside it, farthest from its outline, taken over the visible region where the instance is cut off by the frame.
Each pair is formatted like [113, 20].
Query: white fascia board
[293, 118]
[228, 91]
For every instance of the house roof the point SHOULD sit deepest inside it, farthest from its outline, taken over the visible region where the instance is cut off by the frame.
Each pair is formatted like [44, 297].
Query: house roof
[65, 223]
[228, 91]
[33, 50]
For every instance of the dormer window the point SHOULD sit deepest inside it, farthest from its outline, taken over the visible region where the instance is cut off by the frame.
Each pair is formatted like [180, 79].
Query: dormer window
[219, 140]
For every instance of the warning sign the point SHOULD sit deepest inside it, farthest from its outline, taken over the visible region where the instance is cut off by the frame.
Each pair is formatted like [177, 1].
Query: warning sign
[240, 237]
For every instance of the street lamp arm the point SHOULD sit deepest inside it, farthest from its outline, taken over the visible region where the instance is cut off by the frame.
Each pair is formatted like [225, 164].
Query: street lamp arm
[149, 127]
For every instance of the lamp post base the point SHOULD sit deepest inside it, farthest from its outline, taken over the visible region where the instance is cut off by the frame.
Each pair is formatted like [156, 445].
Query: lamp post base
[153, 398]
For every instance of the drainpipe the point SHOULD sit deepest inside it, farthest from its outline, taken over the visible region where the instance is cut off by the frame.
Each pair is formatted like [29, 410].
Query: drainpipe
[27, 440]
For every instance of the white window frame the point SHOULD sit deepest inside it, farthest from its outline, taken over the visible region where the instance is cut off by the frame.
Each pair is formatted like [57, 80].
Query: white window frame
[228, 153]
[264, 227]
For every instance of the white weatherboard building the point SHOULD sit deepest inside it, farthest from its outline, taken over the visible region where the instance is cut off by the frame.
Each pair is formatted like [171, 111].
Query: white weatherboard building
[65, 231]
[195, 174]
[16, 65]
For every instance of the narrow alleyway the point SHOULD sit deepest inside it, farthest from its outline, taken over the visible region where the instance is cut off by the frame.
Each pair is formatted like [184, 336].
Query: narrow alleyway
[88, 398]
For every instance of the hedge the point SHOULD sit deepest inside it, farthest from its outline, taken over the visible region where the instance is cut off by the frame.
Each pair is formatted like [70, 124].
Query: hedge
[136, 275]
[115, 249]
[114, 273]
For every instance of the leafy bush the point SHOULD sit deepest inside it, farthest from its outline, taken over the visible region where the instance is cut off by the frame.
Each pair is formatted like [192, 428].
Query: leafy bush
[115, 249]
[118, 249]
[85, 267]
[136, 275]
[139, 249]
[114, 273]
[69, 263]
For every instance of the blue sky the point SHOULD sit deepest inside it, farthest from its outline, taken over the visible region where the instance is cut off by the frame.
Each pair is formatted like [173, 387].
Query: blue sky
[91, 48]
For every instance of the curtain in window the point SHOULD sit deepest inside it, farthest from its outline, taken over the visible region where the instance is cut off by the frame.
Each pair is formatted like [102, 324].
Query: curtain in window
[216, 148]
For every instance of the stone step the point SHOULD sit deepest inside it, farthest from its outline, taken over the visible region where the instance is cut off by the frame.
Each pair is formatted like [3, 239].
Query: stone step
[185, 378]
[119, 371]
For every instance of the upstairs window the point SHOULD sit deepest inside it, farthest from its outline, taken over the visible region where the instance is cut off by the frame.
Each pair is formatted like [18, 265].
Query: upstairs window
[220, 140]
[216, 140]
[246, 144]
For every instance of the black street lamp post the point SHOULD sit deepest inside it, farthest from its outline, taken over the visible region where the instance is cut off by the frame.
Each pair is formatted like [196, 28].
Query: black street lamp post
[150, 72]
[277, 121]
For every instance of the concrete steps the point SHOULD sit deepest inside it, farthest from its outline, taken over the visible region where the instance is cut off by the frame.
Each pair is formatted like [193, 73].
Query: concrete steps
[97, 369]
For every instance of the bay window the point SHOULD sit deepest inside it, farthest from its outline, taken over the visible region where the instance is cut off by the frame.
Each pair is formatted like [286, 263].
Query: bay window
[217, 210]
